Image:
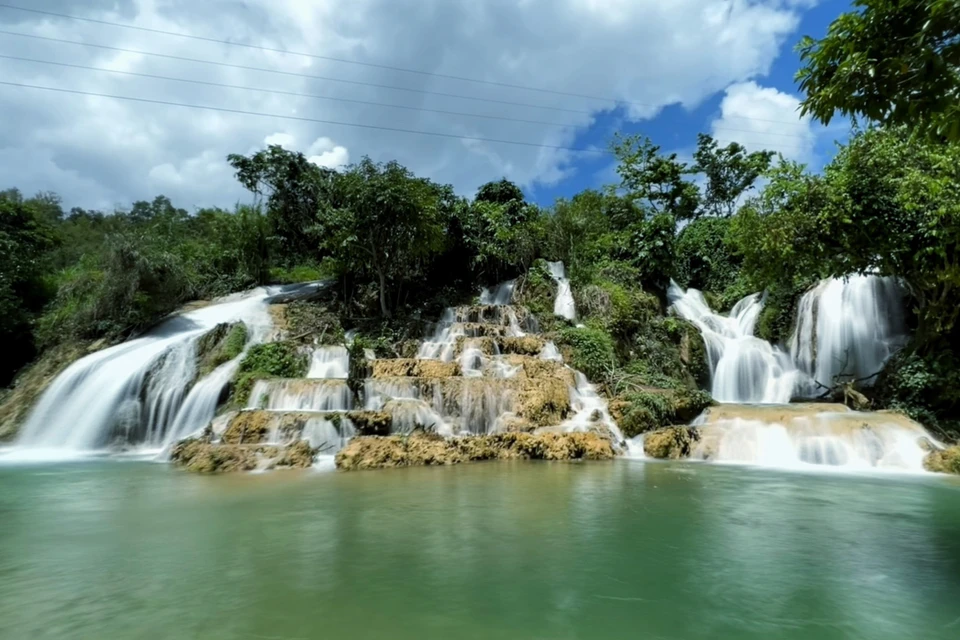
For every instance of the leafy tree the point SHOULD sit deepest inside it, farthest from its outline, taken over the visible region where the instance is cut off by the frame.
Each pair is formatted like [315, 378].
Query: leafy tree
[654, 179]
[895, 62]
[705, 258]
[26, 236]
[501, 192]
[296, 191]
[730, 172]
[389, 223]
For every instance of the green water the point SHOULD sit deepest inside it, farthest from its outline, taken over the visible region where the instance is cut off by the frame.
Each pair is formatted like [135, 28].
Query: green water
[553, 551]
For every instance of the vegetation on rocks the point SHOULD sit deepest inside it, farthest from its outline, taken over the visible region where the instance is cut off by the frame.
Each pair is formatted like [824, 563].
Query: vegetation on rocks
[221, 344]
[270, 360]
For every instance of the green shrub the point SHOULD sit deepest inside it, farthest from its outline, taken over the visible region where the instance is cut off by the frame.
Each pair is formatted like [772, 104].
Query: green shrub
[593, 351]
[221, 344]
[270, 360]
[926, 388]
[704, 258]
[643, 411]
[297, 274]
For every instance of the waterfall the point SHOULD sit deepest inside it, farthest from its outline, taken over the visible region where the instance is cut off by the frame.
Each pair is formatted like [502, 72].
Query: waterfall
[142, 392]
[329, 362]
[811, 435]
[743, 368]
[846, 329]
[563, 305]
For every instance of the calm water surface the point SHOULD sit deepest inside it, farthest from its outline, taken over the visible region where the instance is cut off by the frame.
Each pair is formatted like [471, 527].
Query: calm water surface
[553, 551]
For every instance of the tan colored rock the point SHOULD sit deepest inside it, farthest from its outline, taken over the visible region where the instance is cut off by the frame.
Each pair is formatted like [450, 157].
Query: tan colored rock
[201, 456]
[525, 346]
[543, 401]
[278, 316]
[411, 367]
[421, 449]
[371, 423]
[671, 443]
[943, 461]
[248, 427]
[486, 346]
[537, 368]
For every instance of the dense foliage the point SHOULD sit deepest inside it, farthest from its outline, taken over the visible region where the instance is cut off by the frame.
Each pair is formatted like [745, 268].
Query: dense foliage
[895, 62]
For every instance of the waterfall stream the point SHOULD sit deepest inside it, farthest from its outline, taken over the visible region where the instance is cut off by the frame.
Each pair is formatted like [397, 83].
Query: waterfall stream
[845, 329]
[143, 393]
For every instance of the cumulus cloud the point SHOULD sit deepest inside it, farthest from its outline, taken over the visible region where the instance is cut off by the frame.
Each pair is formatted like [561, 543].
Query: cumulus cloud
[97, 152]
[765, 118]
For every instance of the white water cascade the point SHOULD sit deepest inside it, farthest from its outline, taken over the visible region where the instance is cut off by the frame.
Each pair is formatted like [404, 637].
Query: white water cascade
[563, 305]
[743, 368]
[143, 393]
[845, 329]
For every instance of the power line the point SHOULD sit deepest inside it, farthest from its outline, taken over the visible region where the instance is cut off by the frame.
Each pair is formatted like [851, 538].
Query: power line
[318, 57]
[315, 120]
[290, 73]
[336, 99]
[340, 80]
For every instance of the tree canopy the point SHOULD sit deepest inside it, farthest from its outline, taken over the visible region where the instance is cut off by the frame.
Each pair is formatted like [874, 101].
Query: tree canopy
[893, 62]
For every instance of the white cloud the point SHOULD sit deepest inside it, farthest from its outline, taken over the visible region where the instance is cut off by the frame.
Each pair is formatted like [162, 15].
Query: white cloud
[765, 118]
[99, 151]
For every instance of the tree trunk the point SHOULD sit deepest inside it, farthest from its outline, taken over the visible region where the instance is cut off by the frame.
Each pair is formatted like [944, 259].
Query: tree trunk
[384, 309]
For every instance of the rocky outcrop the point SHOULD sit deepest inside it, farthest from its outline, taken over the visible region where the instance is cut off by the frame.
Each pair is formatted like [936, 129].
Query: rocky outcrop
[202, 456]
[411, 367]
[371, 423]
[943, 460]
[671, 443]
[524, 346]
[420, 449]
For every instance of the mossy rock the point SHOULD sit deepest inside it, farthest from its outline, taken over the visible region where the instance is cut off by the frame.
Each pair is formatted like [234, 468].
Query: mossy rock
[544, 401]
[412, 367]
[943, 461]
[424, 449]
[644, 411]
[371, 423]
[671, 443]
[201, 456]
[524, 346]
[221, 344]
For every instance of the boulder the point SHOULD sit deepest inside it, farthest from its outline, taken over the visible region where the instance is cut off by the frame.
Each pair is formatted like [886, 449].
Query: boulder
[671, 443]
[943, 460]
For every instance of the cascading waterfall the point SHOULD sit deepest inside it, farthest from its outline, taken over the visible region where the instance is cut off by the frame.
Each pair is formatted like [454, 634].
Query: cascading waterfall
[563, 305]
[139, 393]
[743, 368]
[845, 329]
[329, 362]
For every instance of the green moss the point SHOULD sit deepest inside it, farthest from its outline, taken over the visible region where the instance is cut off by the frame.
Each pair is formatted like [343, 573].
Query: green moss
[270, 360]
[298, 274]
[537, 291]
[646, 410]
[221, 344]
[592, 351]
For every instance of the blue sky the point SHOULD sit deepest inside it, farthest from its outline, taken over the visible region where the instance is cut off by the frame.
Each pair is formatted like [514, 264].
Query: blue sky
[675, 128]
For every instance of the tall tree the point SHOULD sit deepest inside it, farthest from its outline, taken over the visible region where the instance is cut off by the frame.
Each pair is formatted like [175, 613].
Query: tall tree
[296, 190]
[895, 62]
[659, 181]
[730, 172]
[388, 222]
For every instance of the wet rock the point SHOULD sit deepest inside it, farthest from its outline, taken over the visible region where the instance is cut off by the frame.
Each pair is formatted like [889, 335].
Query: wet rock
[371, 423]
[524, 346]
[671, 443]
[535, 367]
[221, 344]
[943, 461]
[486, 346]
[411, 367]
[544, 401]
[421, 449]
[200, 456]
[248, 427]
